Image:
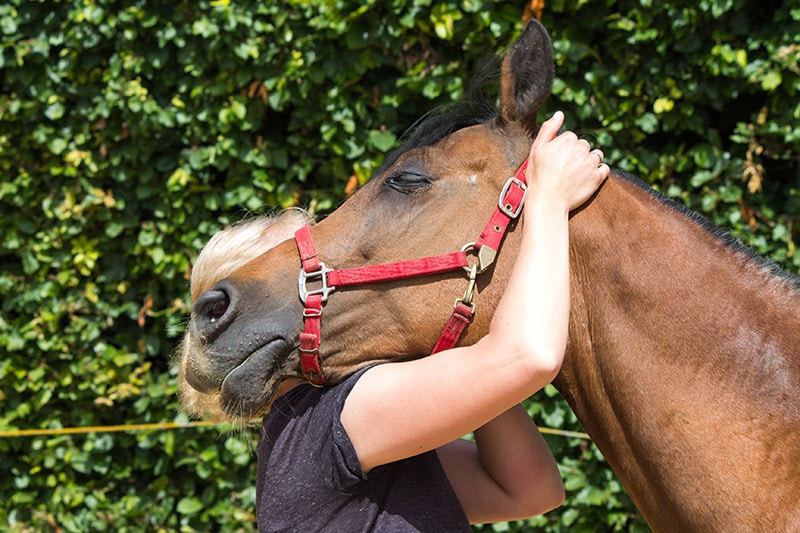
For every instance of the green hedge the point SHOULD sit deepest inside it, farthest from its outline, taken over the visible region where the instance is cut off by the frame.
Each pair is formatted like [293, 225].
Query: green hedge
[130, 132]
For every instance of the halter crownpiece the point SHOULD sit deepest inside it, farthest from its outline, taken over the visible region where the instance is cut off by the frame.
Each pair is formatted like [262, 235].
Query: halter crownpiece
[509, 207]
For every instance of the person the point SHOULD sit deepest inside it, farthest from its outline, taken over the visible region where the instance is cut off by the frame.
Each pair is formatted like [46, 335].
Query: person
[383, 449]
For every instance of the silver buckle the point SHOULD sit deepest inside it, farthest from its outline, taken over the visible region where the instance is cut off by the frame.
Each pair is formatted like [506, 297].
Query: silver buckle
[507, 209]
[322, 274]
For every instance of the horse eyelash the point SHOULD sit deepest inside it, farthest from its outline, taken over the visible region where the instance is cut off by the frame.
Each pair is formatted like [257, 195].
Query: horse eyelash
[408, 186]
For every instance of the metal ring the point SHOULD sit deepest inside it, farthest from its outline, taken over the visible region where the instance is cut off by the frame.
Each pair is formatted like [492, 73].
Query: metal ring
[470, 246]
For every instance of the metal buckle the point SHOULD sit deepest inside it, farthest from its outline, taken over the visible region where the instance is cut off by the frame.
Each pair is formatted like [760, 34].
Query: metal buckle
[469, 293]
[314, 378]
[507, 208]
[322, 274]
[486, 256]
[311, 313]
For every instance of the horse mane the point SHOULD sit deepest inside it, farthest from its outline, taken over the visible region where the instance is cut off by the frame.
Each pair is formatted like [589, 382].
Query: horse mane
[729, 240]
[477, 106]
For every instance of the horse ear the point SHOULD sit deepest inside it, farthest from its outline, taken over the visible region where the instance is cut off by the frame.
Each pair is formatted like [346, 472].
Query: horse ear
[527, 76]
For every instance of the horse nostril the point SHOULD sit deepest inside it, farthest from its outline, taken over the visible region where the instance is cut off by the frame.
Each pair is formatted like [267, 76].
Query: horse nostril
[218, 309]
[212, 312]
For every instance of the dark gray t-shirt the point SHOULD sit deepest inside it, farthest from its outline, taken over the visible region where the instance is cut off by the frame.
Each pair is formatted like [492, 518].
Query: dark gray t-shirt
[309, 477]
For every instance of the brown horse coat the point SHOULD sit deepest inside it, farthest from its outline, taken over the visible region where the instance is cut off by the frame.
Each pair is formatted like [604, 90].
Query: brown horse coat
[683, 362]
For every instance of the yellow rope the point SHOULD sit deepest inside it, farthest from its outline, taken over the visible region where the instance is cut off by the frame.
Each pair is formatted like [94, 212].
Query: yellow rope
[161, 426]
[565, 433]
[105, 429]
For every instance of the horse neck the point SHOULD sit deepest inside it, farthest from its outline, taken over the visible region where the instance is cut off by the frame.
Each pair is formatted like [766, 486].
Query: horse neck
[682, 348]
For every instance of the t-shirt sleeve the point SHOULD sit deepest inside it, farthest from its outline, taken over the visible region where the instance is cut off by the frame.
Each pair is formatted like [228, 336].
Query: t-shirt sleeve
[346, 473]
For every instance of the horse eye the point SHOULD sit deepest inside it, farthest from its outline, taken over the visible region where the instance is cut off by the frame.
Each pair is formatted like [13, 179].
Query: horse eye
[408, 182]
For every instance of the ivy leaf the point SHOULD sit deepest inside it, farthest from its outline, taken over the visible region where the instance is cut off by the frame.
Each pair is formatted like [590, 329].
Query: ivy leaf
[189, 506]
[382, 140]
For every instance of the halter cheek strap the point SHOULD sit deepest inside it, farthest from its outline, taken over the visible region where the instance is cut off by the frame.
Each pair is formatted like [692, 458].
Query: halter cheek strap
[312, 312]
[509, 207]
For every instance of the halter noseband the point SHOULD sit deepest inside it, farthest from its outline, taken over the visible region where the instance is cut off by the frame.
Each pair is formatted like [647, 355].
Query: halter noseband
[509, 207]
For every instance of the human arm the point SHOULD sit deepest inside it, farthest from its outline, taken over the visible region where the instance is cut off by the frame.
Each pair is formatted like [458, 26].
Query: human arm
[507, 473]
[434, 400]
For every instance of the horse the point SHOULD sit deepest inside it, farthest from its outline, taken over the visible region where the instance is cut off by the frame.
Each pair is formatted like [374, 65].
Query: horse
[683, 359]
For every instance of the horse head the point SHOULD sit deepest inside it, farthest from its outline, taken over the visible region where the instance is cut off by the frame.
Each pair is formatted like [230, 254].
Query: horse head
[432, 196]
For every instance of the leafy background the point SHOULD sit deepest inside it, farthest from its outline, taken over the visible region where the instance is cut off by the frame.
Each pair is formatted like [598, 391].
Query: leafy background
[130, 132]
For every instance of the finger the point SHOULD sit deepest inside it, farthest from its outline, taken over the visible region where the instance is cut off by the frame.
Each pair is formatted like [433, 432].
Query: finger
[599, 154]
[549, 129]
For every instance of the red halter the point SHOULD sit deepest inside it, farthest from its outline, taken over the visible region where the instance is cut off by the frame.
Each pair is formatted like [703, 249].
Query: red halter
[509, 207]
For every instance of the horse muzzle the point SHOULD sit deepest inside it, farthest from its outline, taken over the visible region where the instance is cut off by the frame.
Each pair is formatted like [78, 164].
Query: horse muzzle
[235, 348]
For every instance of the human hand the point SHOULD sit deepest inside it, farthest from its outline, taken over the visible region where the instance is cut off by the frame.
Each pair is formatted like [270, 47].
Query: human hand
[563, 170]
